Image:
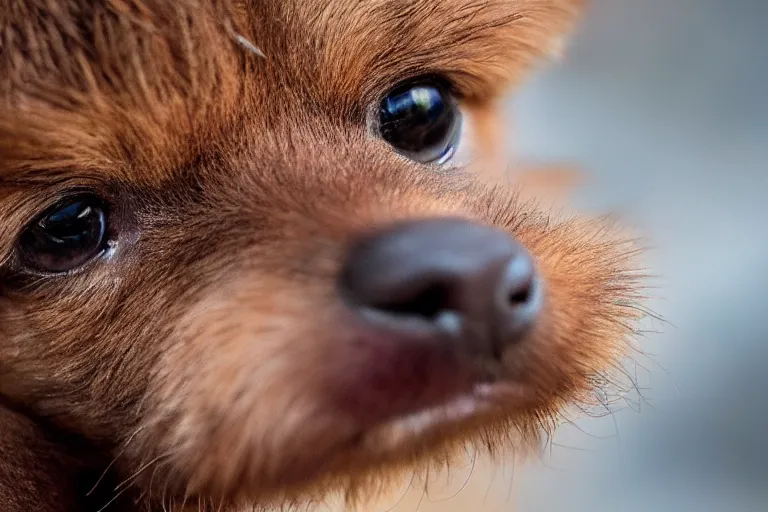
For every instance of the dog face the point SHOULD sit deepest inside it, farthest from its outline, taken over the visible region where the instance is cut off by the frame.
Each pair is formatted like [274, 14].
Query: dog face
[236, 256]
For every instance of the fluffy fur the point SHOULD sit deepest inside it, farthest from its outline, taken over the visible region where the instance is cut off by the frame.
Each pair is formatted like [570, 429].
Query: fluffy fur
[198, 364]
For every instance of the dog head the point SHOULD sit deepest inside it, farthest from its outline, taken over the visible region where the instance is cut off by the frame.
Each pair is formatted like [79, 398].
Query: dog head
[238, 256]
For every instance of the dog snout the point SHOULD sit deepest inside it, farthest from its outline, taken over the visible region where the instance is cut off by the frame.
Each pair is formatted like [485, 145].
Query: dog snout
[452, 278]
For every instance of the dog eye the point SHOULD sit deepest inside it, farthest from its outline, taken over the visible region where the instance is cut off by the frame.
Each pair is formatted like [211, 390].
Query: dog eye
[421, 120]
[67, 236]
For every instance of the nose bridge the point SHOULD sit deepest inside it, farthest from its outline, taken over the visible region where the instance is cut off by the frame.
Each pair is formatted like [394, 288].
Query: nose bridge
[306, 196]
[345, 180]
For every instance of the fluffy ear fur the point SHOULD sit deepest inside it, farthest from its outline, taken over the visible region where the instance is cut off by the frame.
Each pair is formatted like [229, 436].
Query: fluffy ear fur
[547, 184]
[490, 156]
[494, 162]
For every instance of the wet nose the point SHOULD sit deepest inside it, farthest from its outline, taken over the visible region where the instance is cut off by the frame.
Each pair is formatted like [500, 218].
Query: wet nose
[453, 278]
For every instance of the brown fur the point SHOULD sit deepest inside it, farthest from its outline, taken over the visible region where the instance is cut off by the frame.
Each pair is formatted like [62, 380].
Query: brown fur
[199, 363]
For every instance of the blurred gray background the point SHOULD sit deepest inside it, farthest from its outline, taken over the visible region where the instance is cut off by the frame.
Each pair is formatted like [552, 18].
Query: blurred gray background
[665, 104]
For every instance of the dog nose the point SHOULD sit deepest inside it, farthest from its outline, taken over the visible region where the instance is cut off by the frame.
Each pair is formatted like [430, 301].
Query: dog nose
[450, 277]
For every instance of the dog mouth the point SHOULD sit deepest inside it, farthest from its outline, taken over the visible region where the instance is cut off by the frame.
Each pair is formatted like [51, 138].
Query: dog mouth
[482, 402]
[400, 390]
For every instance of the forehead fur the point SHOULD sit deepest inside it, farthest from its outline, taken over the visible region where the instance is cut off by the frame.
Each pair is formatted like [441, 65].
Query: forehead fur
[86, 83]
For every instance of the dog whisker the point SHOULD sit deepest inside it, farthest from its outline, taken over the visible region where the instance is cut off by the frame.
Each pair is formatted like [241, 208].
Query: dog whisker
[404, 494]
[114, 460]
[138, 472]
[114, 499]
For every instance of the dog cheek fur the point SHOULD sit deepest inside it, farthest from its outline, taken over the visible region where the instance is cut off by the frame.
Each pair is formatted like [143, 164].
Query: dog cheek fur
[242, 387]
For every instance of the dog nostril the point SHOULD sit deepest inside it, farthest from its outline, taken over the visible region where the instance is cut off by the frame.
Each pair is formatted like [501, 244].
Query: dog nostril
[519, 282]
[520, 296]
[426, 303]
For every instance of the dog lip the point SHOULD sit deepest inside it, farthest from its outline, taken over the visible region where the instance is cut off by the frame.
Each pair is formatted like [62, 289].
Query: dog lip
[483, 399]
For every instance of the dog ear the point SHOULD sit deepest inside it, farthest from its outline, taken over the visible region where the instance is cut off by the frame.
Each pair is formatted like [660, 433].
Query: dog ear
[493, 159]
[546, 184]
[488, 132]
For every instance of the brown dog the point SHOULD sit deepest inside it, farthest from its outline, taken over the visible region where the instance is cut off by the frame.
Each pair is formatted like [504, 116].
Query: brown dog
[237, 268]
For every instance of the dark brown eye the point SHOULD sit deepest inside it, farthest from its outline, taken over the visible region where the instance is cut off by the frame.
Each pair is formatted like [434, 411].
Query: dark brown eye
[421, 120]
[67, 236]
